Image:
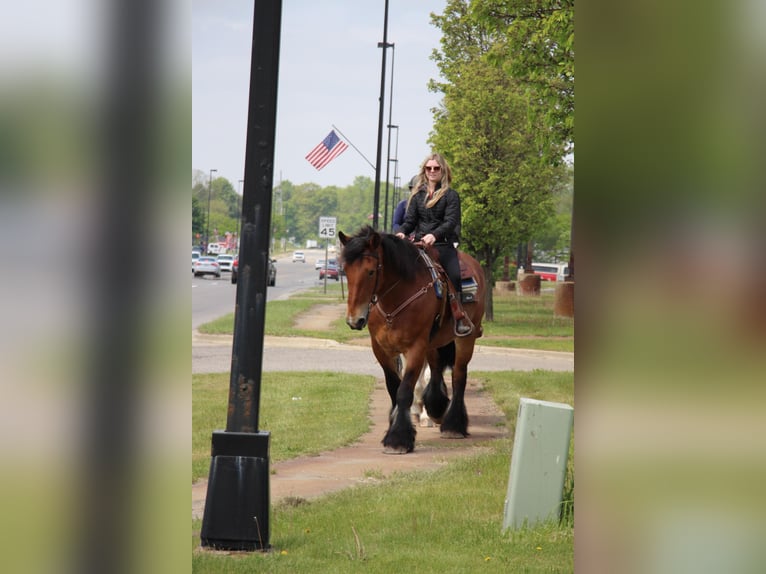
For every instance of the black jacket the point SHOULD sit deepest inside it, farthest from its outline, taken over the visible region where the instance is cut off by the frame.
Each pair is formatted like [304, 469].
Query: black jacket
[443, 219]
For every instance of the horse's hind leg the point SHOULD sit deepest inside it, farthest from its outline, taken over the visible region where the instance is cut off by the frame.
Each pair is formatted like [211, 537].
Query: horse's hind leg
[418, 408]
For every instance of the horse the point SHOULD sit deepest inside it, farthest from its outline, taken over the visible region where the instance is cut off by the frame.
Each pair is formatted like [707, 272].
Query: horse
[401, 296]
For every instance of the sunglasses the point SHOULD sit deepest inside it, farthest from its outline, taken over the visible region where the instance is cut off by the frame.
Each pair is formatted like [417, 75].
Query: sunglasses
[433, 168]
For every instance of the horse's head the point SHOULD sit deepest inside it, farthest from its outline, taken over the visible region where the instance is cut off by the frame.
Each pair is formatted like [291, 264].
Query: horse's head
[362, 264]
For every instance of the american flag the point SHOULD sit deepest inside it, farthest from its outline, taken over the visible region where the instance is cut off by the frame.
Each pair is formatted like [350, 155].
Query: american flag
[327, 150]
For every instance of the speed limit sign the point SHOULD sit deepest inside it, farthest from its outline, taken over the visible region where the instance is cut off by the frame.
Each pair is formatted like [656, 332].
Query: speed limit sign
[327, 227]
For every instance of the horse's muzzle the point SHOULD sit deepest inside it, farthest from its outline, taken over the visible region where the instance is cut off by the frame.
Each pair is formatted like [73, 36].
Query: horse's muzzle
[356, 323]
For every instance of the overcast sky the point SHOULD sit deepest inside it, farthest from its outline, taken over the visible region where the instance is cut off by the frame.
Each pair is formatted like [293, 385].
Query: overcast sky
[329, 73]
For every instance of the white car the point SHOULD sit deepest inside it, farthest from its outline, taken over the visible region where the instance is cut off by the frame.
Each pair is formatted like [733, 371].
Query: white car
[225, 261]
[195, 256]
[206, 266]
[299, 256]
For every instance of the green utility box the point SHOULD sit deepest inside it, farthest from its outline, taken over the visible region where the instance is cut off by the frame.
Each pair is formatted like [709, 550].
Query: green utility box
[538, 463]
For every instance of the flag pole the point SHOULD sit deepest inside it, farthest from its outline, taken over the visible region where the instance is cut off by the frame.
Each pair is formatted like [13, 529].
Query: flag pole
[352, 145]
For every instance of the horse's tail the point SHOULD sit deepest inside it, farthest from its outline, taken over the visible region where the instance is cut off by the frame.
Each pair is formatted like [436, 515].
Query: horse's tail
[447, 354]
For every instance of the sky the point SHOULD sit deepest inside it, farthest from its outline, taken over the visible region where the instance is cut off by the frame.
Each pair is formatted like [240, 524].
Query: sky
[329, 74]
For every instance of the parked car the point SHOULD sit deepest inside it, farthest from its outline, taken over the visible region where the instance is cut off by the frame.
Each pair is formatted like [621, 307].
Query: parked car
[206, 266]
[272, 272]
[332, 272]
[195, 256]
[299, 256]
[225, 261]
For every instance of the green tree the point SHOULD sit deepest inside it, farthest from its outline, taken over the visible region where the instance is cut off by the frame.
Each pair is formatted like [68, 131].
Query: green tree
[553, 240]
[198, 219]
[538, 51]
[505, 187]
[223, 202]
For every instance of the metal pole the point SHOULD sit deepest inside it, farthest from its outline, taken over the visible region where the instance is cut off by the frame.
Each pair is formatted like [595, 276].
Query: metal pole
[237, 504]
[209, 193]
[394, 195]
[239, 214]
[396, 179]
[388, 153]
[384, 45]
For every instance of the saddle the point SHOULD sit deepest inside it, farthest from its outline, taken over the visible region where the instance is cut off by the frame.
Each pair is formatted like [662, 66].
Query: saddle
[468, 282]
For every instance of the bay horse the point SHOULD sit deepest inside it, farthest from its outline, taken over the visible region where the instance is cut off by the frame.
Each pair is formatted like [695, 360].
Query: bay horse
[394, 292]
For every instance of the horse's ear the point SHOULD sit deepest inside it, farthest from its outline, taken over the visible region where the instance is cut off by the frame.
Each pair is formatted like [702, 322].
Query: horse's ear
[343, 237]
[374, 240]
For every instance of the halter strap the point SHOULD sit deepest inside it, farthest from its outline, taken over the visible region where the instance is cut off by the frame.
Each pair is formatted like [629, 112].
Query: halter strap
[375, 299]
[389, 317]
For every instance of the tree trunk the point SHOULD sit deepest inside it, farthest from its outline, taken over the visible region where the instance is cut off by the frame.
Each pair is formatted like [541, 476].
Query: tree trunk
[489, 305]
[563, 303]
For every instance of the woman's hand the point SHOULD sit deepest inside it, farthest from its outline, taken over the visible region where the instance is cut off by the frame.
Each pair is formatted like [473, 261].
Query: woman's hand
[400, 235]
[428, 239]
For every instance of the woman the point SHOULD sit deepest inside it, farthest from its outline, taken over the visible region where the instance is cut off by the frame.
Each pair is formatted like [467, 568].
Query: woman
[433, 214]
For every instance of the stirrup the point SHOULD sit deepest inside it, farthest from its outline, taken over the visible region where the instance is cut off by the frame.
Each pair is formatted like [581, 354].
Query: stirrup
[466, 324]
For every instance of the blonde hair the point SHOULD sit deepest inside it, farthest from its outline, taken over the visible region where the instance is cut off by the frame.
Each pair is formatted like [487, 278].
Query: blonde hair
[444, 182]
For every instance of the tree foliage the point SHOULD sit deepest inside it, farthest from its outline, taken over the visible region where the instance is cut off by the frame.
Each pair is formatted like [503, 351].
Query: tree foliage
[488, 129]
[537, 50]
[296, 209]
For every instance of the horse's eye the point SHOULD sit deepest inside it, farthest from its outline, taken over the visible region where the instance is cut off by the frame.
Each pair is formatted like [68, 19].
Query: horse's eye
[371, 272]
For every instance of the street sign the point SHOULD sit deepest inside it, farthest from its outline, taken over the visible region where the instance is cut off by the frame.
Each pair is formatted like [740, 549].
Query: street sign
[327, 227]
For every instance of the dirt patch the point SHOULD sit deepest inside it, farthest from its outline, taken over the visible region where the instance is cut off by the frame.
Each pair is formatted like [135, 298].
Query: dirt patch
[364, 462]
[319, 317]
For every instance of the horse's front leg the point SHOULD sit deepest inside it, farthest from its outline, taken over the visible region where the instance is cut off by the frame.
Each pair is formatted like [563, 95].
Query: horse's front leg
[455, 422]
[400, 437]
[391, 369]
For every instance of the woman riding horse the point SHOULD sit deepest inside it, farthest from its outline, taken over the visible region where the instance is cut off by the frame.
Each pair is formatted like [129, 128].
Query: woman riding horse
[433, 214]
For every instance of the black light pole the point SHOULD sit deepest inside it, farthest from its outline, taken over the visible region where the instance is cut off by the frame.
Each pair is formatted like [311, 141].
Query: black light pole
[239, 213]
[388, 166]
[237, 506]
[209, 193]
[388, 153]
[396, 197]
[384, 44]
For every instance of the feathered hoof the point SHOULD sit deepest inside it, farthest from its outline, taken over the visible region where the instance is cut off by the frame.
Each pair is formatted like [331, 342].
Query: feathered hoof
[395, 450]
[452, 434]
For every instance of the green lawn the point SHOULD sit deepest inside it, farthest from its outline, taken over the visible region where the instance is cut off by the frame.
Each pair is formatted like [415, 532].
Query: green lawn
[447, 520]
[290, 408]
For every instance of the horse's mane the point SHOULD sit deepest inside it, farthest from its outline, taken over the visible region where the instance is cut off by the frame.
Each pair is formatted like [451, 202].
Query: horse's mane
[399, 255]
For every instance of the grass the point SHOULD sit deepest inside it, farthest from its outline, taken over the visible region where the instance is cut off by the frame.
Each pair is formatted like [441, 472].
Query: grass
[528, 322]
[289, 406]
[522, 322]
[447, 520]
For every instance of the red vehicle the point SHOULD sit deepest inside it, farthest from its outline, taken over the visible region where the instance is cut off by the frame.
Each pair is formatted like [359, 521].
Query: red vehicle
[332, 272]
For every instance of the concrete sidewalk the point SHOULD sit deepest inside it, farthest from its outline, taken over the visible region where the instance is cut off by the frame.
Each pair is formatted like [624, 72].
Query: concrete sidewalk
[212, 354]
